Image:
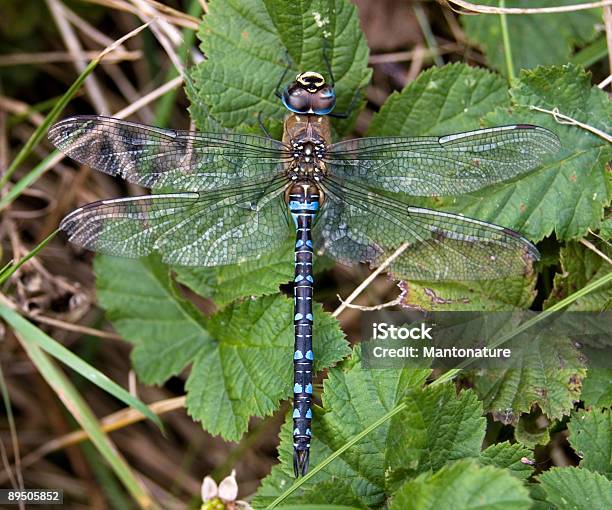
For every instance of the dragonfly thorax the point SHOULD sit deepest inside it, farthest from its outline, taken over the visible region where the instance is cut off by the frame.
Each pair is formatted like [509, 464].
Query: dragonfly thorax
[307, 162]
[306, 138]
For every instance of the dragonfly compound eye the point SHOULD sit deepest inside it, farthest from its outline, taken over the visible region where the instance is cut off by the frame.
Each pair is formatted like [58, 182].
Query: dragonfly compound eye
[324, 100]
[296, 98]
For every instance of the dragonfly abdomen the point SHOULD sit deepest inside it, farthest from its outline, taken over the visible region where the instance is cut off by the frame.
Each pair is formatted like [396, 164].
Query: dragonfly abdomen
[303, 204]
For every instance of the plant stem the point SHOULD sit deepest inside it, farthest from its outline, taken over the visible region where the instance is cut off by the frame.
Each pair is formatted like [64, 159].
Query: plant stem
[506, 38]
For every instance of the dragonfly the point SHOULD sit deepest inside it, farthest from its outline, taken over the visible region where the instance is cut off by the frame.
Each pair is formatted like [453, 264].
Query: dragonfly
[226, 198]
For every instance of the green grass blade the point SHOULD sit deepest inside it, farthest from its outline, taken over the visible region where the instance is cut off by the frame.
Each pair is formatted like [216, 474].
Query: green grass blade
[592, 53]
[9, 269]
[507, 46]
[78, 408]
[41, 130]
[33, 335]
[27, 179]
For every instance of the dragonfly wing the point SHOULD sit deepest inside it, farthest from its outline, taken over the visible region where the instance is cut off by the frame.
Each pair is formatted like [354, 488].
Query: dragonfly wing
[190, 229]
[444, 165]
[359, 225]
[162, 158]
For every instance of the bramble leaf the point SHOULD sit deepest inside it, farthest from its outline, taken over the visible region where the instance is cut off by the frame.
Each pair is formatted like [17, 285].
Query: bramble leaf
[463, 485]
[247, 44]
[534, 377]
[511, 456]
[535, 39]
[438, 426]
[590, 437]
[577, 489]
[441, 101]
[241, 356]
[224, 284]
[353, 398]
[142, 303]
[247, 369]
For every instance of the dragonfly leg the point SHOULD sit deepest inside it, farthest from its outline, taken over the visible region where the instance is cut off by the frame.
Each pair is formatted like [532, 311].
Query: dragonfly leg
[332, 81]
[262, 126]
[347, 113]
[277, 90]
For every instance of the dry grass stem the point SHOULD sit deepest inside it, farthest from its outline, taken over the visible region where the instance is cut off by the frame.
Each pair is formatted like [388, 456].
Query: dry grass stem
[94, 91]
[564, 119]
[166, 9]
[89, 30]
[121, 40]
[149, 98]
[407, 56]
[487, 9]
[369, 280]
[594, 249]
[74, 327]
[184, 20]
[605, 82]
[52, 57]
[148, 11]
[110, 423]
[8, 104]
[388, 304]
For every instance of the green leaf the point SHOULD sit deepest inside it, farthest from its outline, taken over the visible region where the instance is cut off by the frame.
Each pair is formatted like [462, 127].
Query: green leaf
[529, 431]
[567, 196]
[353, 398]
[541, 39]
[246, 43]
[143, 305]
[509, 456]
[580, 266]
[224, 284]
[247, 370]
[441, 101]
[496, 295]
[437, 426]
[597, 387]
[241, 356]
[573, 488]
[463, 485]
[533, 378]
[590, 435]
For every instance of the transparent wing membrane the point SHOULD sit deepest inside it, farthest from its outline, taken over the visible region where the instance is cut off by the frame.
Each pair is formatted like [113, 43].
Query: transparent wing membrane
[359, 225]
[232, 208]
[162, 158]
[445, 165]
[190, 229]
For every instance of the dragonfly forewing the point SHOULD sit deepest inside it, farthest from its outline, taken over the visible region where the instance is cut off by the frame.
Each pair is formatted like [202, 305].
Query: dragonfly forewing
[445, 165]
[359, 225]
[163, 158]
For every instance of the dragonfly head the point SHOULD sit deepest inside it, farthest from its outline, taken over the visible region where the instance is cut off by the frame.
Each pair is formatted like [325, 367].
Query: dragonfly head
[309, 94]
